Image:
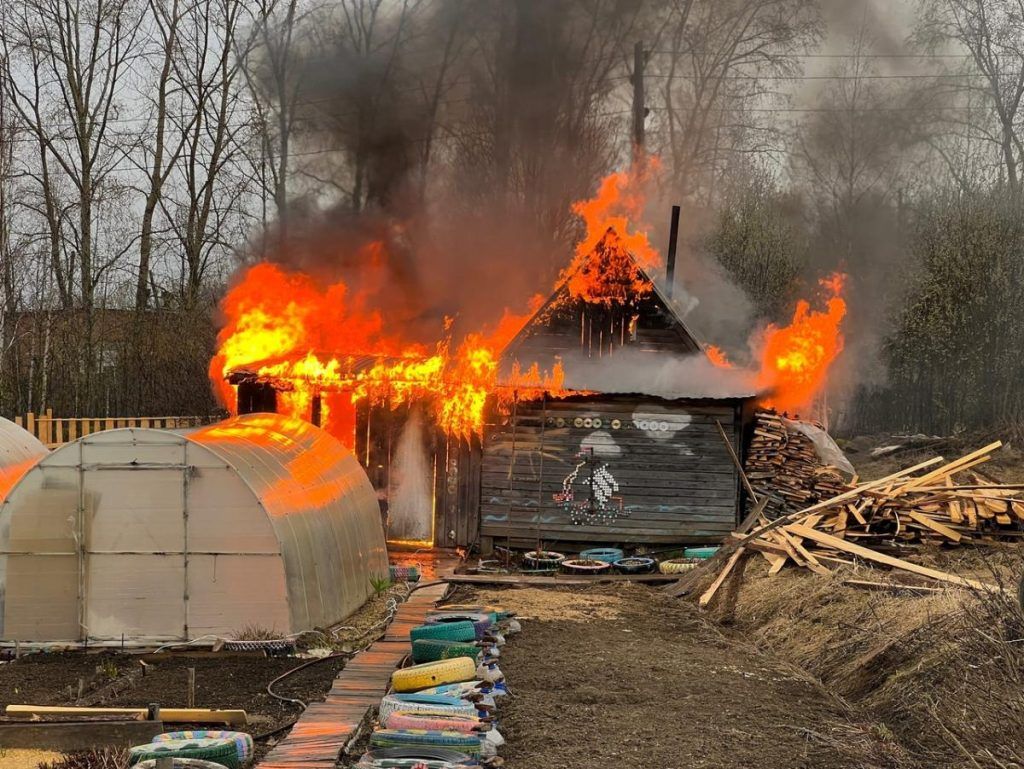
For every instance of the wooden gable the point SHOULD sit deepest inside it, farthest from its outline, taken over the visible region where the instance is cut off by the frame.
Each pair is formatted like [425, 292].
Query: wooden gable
[641, 320]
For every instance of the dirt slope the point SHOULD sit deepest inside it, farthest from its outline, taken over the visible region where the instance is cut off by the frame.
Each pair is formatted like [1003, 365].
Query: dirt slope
[626, 678]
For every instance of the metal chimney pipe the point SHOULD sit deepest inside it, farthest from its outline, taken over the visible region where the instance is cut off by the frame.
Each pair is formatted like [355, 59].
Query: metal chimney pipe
[670, 261]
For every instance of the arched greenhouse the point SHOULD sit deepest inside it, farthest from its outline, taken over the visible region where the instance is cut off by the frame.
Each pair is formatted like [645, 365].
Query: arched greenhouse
[158, 535]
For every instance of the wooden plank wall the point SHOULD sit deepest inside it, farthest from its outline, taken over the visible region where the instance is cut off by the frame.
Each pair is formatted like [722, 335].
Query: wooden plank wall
[596, 331]
[457, 494]
[56, 431]
[674, 473]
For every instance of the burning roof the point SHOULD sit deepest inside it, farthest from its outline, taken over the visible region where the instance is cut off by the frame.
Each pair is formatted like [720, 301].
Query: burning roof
[322, 341]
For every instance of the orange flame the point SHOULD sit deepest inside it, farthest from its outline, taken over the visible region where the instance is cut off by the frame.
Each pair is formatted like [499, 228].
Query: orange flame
[718, 357]
[601, 270]
[307, 340]
[796, 358]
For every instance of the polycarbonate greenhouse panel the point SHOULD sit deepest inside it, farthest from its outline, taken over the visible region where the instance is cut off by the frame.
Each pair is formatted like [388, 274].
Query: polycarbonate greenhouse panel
[159, 535]
[19, 452]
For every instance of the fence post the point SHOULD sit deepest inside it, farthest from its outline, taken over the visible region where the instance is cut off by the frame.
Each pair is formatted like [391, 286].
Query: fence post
[72, 430]
[30, 422]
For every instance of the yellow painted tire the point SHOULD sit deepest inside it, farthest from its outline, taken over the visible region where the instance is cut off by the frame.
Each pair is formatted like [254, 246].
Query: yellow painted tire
[429, 674]
[676, 566]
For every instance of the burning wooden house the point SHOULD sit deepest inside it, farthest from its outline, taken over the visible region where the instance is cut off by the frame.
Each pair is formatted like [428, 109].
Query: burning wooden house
[628, 450]
[595, 421]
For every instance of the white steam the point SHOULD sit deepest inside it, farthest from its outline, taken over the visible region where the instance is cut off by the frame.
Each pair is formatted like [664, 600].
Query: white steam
[410, 499]
[635, 371]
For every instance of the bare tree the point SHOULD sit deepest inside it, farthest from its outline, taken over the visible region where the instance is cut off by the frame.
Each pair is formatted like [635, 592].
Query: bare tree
[74, 55]
[720, 65]
[209, 197]
[159, 158]
[272, 75]
[992, 32]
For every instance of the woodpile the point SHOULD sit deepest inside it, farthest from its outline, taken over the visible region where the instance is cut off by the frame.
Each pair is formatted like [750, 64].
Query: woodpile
[934, 501]
[783, 466]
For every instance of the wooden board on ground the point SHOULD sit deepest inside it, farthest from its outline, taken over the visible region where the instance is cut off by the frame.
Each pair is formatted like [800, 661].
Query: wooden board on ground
[65, 736]
[555, 579]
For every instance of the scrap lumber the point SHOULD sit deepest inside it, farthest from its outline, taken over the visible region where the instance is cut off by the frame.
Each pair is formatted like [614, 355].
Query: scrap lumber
[167, 715]
[897, 563]
[936, 501]
[709, 594]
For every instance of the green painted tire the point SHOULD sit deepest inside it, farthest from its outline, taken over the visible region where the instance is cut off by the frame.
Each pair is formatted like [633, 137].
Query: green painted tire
[220, 751]
[700, 552]
[414, 738]
[242, 740]
[433, 649]
[445, 631]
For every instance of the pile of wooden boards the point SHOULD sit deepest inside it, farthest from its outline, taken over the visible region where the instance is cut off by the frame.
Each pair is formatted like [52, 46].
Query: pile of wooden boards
[783, 466]
[937, 501]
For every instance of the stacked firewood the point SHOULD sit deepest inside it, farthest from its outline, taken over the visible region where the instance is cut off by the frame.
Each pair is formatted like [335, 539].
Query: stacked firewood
[782, 466]
[871, 522]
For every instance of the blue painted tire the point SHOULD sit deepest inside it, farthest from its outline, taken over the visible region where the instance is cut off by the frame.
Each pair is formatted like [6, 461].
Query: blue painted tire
[635, 565]
[425, 703]
[700, 552]
[606, 554]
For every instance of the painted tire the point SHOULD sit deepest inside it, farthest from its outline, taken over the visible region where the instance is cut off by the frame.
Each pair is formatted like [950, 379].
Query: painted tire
[243, 741]
[481, 623]
[700, 552]
[585, 567]
[450, 671]
[219, 751]
[473, 615]
[635, 565]
[431, 650]
[404, 719]
[676, 566]
[455, 757]
[606, 554]
[412, 738]
[498, 611]
[547, 559]
[444, 631]
[180, 763]
[425, 703]
[404, 573]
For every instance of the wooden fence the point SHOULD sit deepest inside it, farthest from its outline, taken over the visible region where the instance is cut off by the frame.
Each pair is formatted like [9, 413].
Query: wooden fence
[56, 431]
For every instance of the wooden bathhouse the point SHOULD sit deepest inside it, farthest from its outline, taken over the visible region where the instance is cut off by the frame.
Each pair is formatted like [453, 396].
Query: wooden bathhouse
[632, 456]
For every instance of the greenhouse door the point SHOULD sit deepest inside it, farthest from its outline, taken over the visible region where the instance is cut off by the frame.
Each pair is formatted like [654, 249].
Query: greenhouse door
[135, 524]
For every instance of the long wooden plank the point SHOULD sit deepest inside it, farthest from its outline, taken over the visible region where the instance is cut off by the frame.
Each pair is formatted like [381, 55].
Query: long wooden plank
[168, 715]
[897, 563]
[957, 465]
[844, 497]
[935, 526]
[709, 594]
[68, 736]
[554, 579]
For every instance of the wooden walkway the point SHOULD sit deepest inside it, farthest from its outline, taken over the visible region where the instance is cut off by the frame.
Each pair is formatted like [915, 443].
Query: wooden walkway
[325, 728]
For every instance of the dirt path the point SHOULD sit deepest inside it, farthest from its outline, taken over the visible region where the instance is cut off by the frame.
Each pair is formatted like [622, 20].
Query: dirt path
[627, 679]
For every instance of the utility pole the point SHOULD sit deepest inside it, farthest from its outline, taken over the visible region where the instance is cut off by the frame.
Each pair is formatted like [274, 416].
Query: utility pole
[639, 110]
